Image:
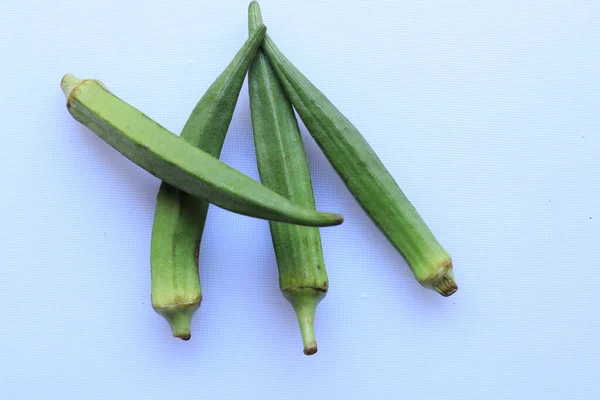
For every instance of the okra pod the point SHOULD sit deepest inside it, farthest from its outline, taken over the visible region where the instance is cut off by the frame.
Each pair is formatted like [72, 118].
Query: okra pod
[366, 177]
[179, 218]
[283, 167]
[173, 160]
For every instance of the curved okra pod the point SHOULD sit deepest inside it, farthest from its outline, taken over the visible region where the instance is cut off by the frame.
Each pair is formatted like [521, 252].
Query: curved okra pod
[173, 160]
[179, 218]
[366, 177]
[283, 168]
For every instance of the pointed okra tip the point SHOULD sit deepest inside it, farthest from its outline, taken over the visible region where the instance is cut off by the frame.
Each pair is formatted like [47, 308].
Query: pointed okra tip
[254, 15]
[332, 219]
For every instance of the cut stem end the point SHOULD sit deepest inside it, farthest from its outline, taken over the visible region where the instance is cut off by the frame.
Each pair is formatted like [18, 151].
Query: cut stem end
[69, 82]
[310, 349]
[305, 303]
[179, 317]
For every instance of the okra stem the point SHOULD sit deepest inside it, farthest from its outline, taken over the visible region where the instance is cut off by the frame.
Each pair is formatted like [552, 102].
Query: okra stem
[305, 303]
[69, 81]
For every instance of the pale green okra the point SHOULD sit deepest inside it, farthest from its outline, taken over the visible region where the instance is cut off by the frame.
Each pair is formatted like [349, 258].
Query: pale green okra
[173, 160]
[283, 167]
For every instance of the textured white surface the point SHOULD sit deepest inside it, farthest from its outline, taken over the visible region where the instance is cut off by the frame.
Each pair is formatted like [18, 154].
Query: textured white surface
[488, 115]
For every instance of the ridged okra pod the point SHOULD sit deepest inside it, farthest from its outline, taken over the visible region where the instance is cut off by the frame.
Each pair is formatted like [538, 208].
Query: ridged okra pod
[173, 160]
[179, 218]
[283, 167]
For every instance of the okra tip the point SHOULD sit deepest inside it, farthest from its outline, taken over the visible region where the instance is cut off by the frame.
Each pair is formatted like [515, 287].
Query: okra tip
[445, 285]
[331, 219]
[307, 217]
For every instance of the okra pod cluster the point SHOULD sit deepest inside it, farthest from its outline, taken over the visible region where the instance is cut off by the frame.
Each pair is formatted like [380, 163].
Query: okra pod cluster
[366, 177]
[193, 177]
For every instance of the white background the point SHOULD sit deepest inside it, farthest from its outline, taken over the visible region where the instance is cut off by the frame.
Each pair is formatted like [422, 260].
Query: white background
[487, 114]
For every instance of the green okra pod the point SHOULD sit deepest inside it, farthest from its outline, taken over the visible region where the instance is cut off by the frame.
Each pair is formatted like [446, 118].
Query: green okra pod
[179, 218]
[283, 167]
[173, 160]
[366, 177]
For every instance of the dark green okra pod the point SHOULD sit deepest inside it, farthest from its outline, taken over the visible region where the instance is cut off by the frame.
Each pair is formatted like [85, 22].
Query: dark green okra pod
[366, 177]
[179, 218]
[284, 169]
